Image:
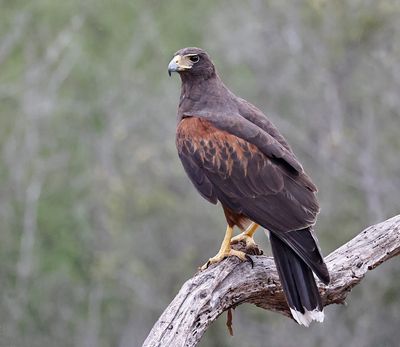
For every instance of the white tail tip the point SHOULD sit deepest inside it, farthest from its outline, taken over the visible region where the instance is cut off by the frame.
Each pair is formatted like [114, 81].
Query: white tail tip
[307, 317]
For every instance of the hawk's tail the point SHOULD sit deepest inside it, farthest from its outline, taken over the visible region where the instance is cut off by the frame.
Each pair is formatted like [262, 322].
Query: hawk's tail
[298, 283]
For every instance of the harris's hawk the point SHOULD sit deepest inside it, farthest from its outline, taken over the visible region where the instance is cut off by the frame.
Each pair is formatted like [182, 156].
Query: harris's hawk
[233, 154]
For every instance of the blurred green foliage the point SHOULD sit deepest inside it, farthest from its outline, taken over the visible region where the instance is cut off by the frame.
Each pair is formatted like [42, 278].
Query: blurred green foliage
[100, 225]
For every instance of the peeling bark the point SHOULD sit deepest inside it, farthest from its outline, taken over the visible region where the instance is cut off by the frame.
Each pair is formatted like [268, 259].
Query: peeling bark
[232, 282]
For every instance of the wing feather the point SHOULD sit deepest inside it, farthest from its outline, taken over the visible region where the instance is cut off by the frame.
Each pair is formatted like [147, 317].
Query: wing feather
[250, 132]
[196, 173]
[244, 178]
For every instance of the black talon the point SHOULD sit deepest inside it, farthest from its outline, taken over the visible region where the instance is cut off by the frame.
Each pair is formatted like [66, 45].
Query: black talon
[250, 260]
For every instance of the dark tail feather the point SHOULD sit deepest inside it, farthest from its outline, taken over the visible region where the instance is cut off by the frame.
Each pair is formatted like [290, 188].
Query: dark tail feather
[305, 244]
[298, 283]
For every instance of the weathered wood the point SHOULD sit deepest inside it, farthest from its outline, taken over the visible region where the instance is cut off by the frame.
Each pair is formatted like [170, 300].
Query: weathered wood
[232, 282]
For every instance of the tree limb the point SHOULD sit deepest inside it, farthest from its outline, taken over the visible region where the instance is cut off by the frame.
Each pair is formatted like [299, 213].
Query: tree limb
[231, 283]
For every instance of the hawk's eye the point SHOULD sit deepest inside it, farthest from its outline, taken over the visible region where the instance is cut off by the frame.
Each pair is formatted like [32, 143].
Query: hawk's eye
[194, 58]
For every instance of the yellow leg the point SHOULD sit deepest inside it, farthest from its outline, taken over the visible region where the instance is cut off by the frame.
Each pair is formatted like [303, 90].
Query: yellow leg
[225, 250]
[247, 236]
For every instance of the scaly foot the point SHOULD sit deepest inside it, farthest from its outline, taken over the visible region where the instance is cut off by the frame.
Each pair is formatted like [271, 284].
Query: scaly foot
[249, 241]
[222, 255]
[246, 238]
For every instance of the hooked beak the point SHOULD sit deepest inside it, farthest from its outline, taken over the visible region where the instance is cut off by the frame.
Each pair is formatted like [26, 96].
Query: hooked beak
[177, 64]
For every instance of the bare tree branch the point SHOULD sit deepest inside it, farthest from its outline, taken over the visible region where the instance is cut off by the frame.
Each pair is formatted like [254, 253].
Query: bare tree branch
[231, 283]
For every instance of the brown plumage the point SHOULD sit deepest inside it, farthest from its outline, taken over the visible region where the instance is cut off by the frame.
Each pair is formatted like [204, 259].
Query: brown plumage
[233, 154]
[218, 150]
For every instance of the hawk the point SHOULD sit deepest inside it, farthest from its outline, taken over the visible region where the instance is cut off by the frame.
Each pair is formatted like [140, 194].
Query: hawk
[233, 154]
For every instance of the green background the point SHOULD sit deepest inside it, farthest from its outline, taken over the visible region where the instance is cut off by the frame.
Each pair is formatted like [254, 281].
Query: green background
[100, 225]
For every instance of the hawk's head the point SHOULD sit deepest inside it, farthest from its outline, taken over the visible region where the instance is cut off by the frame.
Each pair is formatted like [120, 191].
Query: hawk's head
[192, 61]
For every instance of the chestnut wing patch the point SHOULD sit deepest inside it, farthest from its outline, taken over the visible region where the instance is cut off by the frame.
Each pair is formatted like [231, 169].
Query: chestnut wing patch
[225, 167]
